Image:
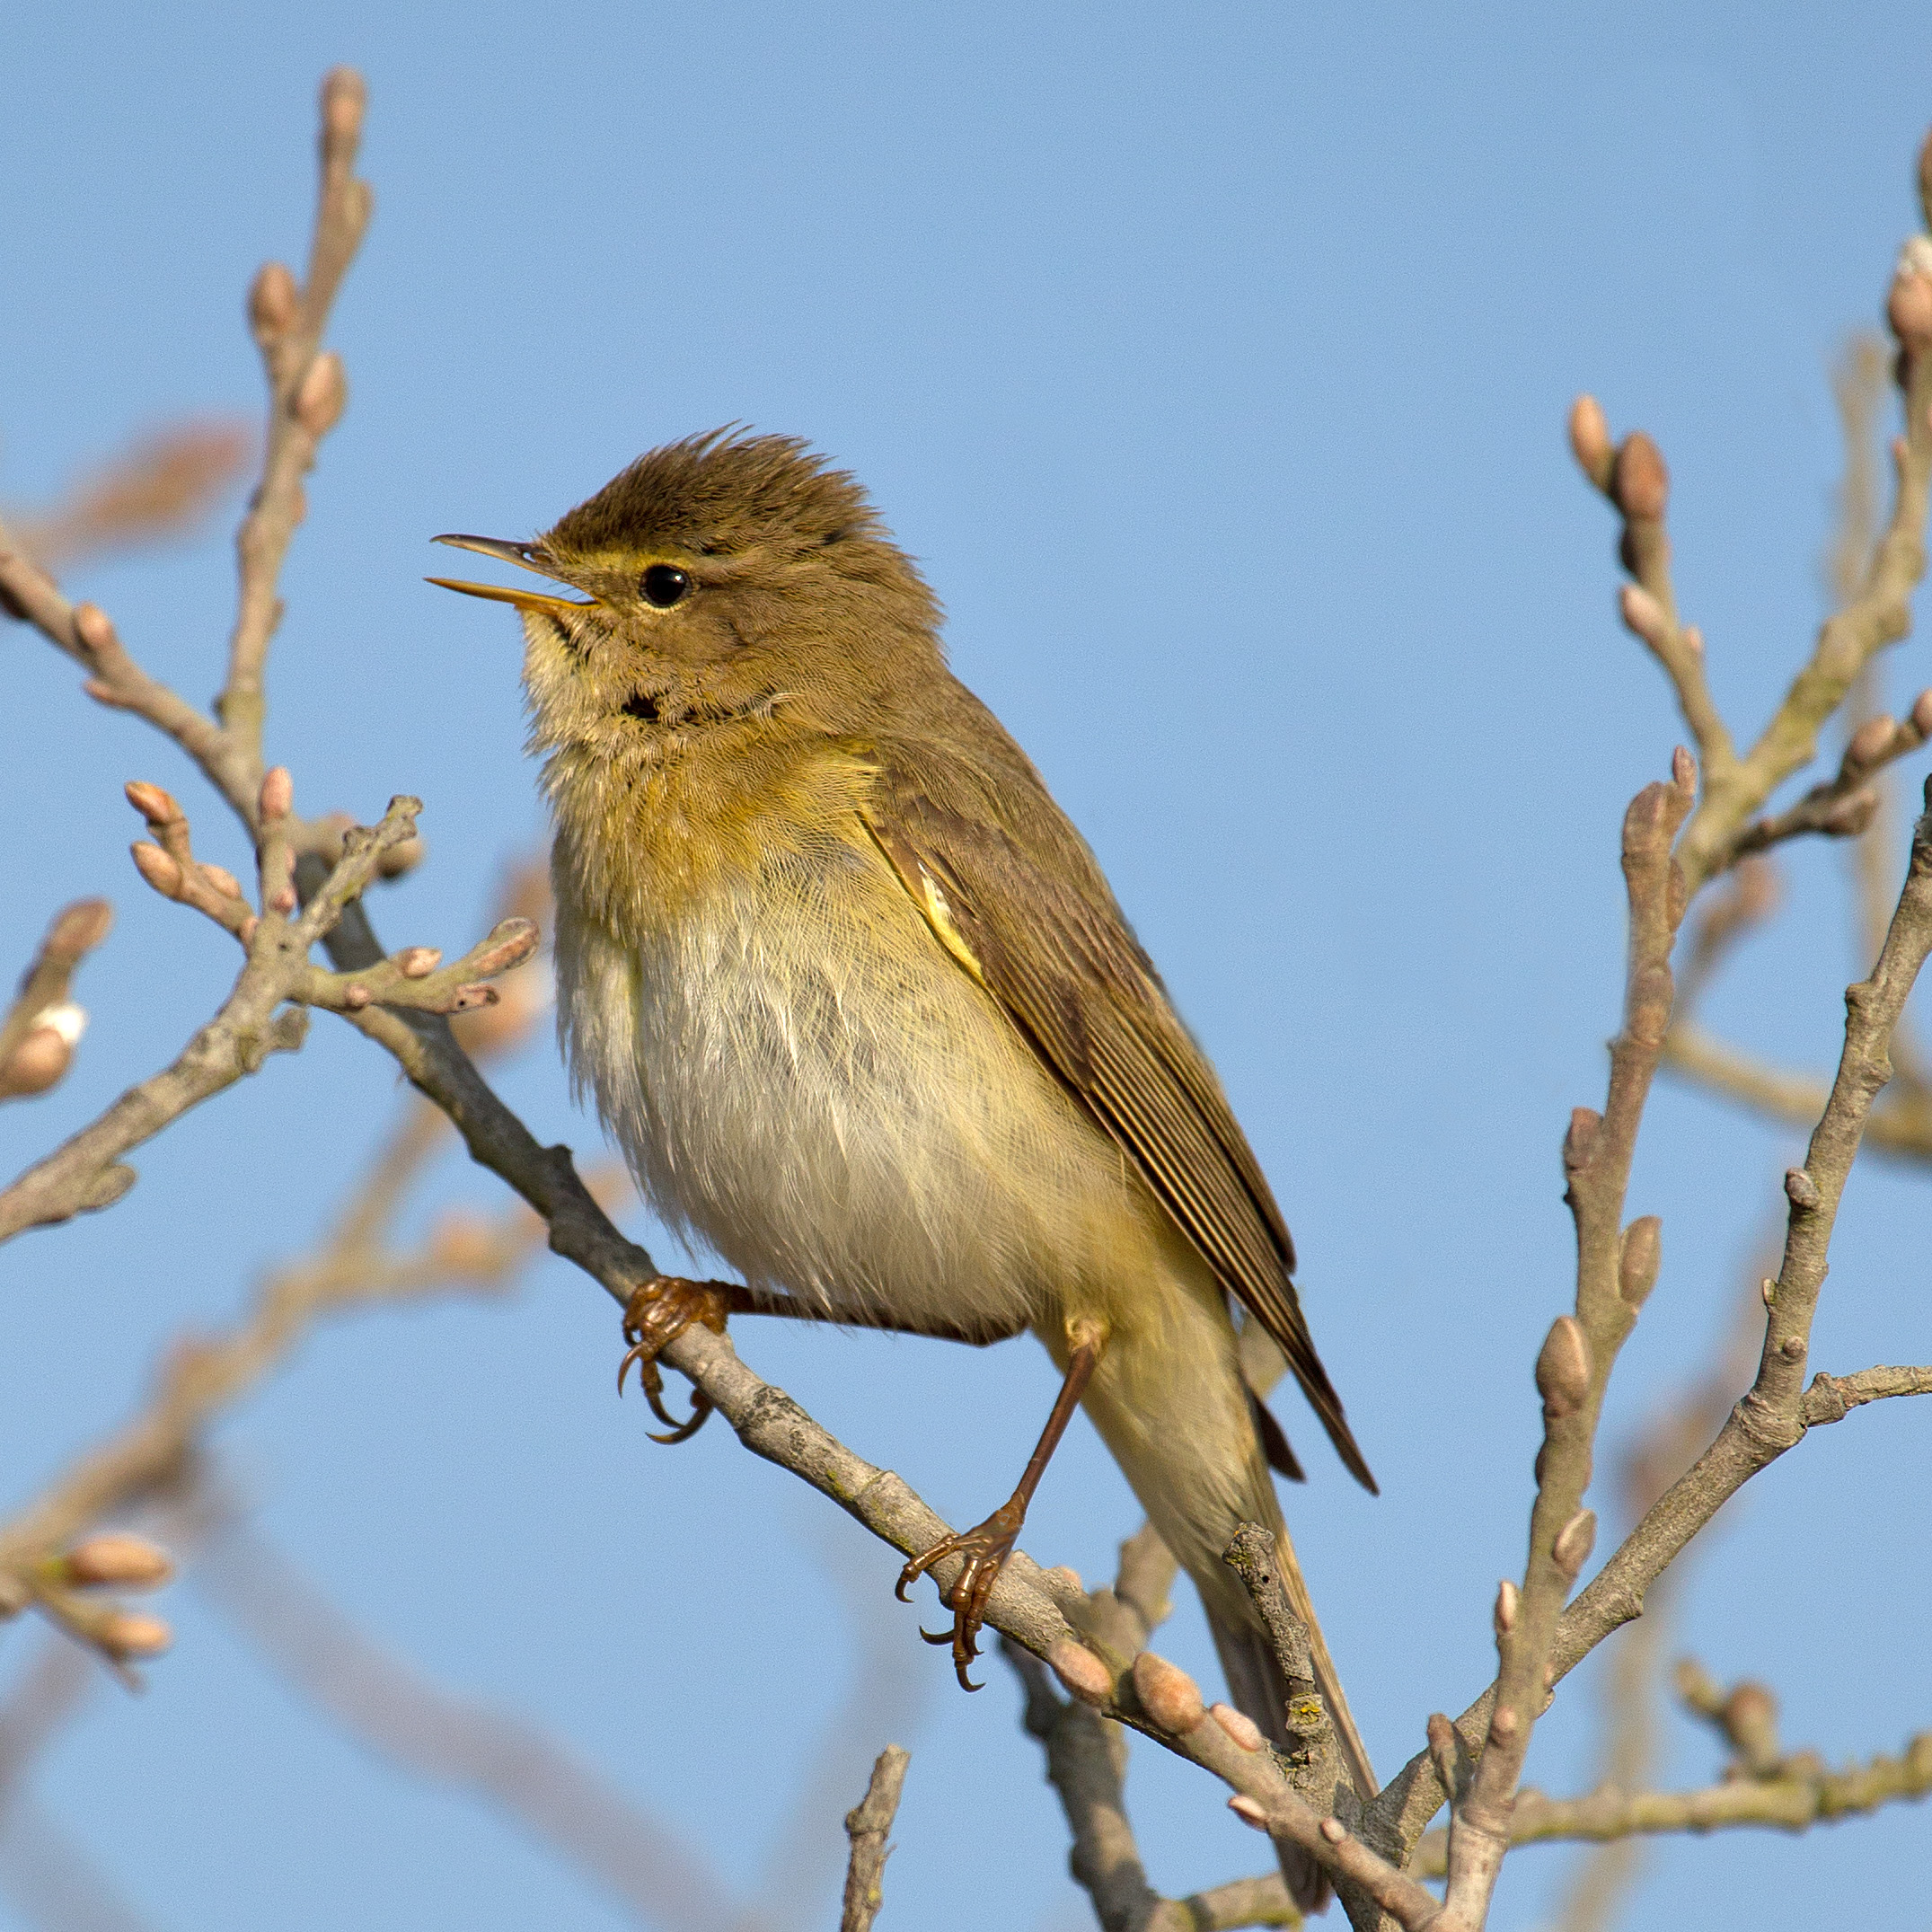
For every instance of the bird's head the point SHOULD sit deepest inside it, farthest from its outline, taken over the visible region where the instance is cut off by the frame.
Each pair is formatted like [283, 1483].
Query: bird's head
[722, 578]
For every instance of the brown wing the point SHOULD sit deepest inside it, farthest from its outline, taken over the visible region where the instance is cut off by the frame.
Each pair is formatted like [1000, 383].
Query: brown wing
[1059, 957]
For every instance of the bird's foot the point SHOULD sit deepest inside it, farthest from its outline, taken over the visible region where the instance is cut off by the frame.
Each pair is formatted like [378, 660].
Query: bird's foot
[985, 1550]
[658, 1311]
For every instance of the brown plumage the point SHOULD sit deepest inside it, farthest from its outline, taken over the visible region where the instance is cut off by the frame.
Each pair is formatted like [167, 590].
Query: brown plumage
[859, 1004]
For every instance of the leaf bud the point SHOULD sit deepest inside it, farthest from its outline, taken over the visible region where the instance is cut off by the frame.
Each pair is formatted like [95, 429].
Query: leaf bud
[1505, 1610]
[1080, 1671]
[278, 793]
[418, 962]
[92, 628]
[325, 390]
[1870, 743]
[130, 1561]
[154, 805]
[1640, 1256]
[1590, 439]
[157, 869]
[1238, 1724]
[1574, 1541]
[273, 302]
[125, 1634]
[224, 881]
[1249, 1811]
[1640, 483]
[1563, 1367]
[1167, 1694]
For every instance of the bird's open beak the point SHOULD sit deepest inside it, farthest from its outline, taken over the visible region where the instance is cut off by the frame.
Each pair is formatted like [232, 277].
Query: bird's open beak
[524, 557]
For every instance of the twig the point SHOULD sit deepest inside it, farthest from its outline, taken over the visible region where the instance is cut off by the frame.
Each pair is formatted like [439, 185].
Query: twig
[42, 1026]
[1736, 788]
[1803, 1792]
[385, 1703]
[868, 1825]
[1776, 1412]
[306, 393]
[204, 1377]
[84, 1174]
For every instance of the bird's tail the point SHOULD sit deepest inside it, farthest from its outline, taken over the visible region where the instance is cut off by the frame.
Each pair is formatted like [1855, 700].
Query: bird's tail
[1173, 1408]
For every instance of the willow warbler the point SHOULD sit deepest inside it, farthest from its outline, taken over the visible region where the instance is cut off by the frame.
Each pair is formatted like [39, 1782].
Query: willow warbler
[858, 1004]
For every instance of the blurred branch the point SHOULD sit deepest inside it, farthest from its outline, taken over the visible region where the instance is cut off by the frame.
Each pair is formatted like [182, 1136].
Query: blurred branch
[868, 1824]
[43, 1025]
[383, 1701]
[52, 1882]
[160, 487]
[355, 1265]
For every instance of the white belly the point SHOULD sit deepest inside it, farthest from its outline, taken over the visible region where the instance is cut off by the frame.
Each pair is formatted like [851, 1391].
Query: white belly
[802, 1078]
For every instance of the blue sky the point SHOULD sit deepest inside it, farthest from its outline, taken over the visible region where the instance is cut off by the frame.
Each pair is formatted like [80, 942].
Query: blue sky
[1214, 362]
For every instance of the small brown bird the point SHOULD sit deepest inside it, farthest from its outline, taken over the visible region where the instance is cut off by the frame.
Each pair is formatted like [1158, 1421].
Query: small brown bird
[855, 999]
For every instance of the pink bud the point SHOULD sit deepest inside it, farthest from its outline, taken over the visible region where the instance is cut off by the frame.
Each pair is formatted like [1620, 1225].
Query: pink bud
[273, 302]
[130, 1561]
[157, 869]
[224, 881]
[324, 390]
[130, 1634]
[1080, 1671]
[1332, 1830]
[1563, 1367]
[93, 627]
[418, 962]
[1590, 439]
[1238, 1724]
[157, 807]
[1167, 1694]
[36, 1064]
[1249, 1809]
[1640, 483]
[1870, 742]
[344, 98]
[278, 793]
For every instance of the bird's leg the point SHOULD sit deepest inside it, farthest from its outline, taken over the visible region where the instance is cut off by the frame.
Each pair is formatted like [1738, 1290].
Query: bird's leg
[658, 1311]
[667, 1305]
[987, 1547]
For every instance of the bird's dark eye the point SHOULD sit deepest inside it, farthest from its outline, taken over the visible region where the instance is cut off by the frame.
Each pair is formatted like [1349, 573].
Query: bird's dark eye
[663, 585]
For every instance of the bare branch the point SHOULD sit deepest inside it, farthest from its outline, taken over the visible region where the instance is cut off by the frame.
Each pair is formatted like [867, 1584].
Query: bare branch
[1777, 1410]
[868, 1824]
[1802, 1793]
[306, 393]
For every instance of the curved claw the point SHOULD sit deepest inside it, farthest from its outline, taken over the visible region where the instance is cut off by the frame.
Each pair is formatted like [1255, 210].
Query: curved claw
[935, 1637]
[683, 1432]
[658, 1312]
